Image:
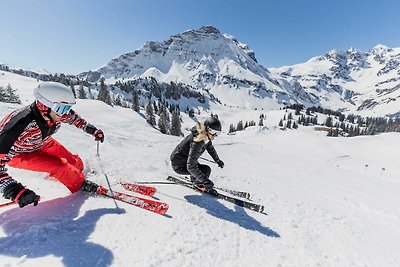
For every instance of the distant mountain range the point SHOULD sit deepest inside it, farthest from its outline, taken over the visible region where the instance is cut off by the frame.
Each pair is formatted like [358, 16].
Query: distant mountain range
[216, 68]
[363, 82]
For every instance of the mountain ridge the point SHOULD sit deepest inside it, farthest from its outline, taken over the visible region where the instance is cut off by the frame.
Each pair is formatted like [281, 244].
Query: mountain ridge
[219, 67]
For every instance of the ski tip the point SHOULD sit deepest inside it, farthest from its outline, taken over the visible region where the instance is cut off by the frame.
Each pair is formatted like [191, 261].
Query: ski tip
[261, 209]
[151, 191]
[163, 209]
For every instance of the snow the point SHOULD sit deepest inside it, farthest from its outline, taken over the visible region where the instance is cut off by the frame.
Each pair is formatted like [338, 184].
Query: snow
[329, 201]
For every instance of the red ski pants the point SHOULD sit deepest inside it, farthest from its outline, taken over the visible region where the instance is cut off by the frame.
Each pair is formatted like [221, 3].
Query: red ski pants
[56, 160]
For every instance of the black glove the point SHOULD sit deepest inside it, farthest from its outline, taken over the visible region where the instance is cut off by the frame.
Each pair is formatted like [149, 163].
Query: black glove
[220, 163]
[27, 197]
[97, 133]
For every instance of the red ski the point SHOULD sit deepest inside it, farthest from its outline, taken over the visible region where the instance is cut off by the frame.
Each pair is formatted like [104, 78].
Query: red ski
[147, 204]
[138, 188]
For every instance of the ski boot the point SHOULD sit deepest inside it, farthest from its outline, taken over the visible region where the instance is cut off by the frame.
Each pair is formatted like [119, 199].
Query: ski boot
[205, 186]
[89, 186]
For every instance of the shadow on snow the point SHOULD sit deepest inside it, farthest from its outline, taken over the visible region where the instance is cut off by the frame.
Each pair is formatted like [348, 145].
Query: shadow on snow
[52, 228]
[238, 215]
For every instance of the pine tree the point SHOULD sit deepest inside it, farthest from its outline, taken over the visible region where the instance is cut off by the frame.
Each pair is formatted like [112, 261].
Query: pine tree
[118, 101]
[176, 123]
[336, 132]
[239, 126]
[135, 101]
[150, 114]
[12, 96]
[73, 89]
[191, 113]
[261, 121]
[9, 95]
[104, 94]
[350, 118]
[3, 95]
[81, 92]
[155, 108]
[162, 123]
[90, 93]
[328, 122]
[232, 128]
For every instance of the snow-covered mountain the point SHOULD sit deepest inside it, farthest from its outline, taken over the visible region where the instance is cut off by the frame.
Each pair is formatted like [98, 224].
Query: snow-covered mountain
[203, 67]
[204, 59]
[220, 66]
[362, 82]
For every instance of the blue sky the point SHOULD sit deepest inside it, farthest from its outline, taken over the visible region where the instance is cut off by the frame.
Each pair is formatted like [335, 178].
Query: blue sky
[73, 36]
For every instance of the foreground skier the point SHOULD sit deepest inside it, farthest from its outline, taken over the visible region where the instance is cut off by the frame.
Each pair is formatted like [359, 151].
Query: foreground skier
[184, 158]
[26, 142]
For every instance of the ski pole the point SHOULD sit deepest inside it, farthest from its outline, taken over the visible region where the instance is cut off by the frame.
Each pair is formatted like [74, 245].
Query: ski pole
[97, 153]
[208, 160]
[154, 182]
[105, 175]
[7, 204]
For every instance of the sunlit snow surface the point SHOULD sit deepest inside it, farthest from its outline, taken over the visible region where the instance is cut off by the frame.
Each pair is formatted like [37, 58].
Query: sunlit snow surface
[330, 201]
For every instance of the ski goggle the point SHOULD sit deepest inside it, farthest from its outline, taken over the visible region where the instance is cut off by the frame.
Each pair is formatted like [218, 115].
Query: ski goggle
[213, 132]
[61, 108]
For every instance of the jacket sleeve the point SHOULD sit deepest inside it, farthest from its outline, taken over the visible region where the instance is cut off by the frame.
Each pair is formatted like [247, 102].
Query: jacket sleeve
[192, 161]
[211, 150]
[5, 179]
[73, 118]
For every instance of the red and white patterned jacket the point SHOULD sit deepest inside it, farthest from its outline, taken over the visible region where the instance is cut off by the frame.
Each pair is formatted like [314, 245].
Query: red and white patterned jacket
[24, 131]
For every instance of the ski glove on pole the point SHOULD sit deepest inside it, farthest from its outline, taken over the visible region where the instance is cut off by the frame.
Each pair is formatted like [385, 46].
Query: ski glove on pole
[97, 133]
[18, 193]
[220, 163]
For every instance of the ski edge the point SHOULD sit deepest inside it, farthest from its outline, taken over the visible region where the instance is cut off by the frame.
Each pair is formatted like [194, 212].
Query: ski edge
[242, 203]
[235, 193]
[146, 204]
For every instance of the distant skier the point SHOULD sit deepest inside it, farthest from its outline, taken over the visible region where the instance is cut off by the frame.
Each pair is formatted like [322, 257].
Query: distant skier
[26, 142]
[184, 158]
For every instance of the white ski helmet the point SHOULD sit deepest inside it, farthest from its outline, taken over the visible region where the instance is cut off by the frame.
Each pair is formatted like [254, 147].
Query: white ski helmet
[54, 96]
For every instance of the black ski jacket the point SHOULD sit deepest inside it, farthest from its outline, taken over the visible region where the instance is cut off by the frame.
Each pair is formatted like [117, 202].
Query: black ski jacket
[187, 153]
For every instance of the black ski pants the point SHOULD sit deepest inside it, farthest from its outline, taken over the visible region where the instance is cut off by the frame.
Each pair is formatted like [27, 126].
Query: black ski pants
[183, 170]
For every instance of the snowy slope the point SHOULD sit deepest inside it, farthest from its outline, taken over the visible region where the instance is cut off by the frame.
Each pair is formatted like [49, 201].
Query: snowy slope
[330, 201]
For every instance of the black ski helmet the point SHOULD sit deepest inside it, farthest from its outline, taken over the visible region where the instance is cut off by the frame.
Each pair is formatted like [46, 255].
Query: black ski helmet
[213, 123]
